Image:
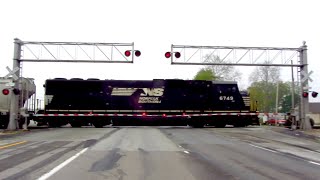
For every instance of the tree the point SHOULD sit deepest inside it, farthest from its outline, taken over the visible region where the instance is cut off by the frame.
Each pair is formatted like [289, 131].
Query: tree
[205, 74]
[263, 87]
[264, 82]
[266, 93]
[222, 72]
[286, 102]
[267, 74]
[259, 94]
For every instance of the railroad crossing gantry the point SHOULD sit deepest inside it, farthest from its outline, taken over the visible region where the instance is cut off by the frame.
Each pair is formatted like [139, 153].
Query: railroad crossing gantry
[250, 56]
[85, 52]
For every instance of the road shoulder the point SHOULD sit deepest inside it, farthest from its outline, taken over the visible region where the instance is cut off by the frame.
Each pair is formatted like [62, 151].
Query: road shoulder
[313, 134]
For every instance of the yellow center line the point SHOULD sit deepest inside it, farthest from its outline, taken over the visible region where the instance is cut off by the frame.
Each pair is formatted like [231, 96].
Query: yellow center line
[14, 144]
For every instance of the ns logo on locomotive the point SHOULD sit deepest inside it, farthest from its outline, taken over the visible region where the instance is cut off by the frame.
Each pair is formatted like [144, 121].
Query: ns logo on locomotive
[147, 95]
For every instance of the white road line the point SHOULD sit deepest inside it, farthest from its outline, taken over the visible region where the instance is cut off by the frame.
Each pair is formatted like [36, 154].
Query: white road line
[60, 166]
[186, 152]
[263, 148]
[314, 163]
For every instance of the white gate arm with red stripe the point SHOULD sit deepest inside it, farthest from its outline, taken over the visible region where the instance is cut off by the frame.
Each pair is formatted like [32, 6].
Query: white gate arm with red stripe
[156, 115]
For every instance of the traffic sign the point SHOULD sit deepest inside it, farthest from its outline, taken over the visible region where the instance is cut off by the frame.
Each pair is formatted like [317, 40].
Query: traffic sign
[306, 76]
[12, 72]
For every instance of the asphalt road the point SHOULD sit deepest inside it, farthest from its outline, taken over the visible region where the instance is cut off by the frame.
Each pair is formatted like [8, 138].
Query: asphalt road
[138, 153]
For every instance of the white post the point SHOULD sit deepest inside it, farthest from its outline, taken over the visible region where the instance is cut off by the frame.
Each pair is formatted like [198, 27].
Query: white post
[25, 126]
[304, 120]
[14, 110]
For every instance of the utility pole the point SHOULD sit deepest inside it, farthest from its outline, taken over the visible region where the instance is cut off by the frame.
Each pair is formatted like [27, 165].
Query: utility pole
[277, 102]
[277, 97]
[14, 104]
[293, 123]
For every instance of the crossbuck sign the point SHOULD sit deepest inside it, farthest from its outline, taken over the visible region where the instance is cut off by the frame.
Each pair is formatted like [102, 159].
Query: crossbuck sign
[306, 76]
[12, 72]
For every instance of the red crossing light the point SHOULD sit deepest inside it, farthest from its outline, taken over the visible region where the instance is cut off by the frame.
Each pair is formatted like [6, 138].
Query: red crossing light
[136, 53]
[127, 53]
[5, 91]
[305, 94]
[167, 54]
[176, 54]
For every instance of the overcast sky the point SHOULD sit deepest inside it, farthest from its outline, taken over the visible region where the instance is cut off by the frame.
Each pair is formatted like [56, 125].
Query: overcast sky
[153, 26]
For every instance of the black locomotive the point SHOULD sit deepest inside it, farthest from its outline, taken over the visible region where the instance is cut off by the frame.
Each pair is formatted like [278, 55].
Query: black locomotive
[155, 102]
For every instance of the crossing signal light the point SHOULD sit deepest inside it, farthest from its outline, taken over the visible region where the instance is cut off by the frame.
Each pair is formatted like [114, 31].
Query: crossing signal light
[305, 94]
[16, 91]
[167, 54]
[136, 53]
[176, 54]
[314, 94]
[127, 53]
[5, 91]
